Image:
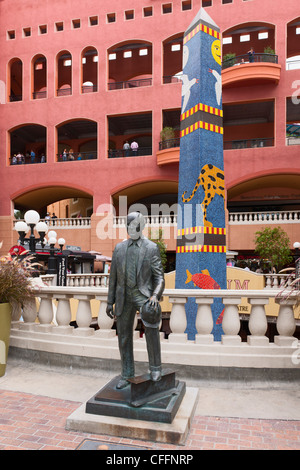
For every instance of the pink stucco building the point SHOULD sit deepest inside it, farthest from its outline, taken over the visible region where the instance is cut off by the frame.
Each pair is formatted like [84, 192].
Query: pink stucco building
[79, 79]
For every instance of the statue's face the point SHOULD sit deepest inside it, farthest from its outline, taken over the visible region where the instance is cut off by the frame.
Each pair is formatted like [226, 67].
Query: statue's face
[135, 227]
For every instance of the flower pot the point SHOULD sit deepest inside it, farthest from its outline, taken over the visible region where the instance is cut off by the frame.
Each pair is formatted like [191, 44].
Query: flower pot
[5, 322]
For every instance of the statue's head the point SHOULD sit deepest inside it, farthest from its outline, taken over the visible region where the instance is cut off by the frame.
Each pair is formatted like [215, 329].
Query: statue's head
[135, 225]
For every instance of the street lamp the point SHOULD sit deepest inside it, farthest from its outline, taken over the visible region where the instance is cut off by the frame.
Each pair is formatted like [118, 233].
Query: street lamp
[32, 222]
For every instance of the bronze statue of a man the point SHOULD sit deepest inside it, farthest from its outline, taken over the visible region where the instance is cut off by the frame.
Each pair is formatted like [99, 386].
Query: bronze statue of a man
[136, 282]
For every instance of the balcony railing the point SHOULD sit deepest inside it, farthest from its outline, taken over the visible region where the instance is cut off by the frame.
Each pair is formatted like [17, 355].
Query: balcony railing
[244, 59]
[120, 153]
[278, 217]
[130, 84]
[249, 143]
[89, 88]
[44, 325]
[77, 156]
[38, 95]
[170, 143]
[64, 91]
[170, 79]
[66, 223]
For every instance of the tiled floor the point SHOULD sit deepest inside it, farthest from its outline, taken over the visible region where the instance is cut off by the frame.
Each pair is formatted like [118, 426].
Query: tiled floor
[29, 421]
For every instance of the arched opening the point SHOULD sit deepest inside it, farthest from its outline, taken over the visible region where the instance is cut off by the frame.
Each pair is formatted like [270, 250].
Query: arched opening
[89, 72]
[77, 140]
[293, 45]
[130, 65]
[238, 41]
[278, 192]
[172, 58]
[15, 87]
[64, 74]
[157, 201]
[28, 144]
[39, 77]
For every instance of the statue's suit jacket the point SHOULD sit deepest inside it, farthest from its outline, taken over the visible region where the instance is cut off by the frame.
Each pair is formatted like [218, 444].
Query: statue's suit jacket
[150, 274]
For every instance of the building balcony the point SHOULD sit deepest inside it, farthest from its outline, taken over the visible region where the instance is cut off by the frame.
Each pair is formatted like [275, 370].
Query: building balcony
[169, 152]
[238, 71]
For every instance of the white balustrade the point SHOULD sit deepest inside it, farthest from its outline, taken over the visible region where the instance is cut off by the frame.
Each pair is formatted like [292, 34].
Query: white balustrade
[178, 322]
[286, 324]
[29, 314]
[257, 351]
[231, 321]
[83, 316]
[269, 217]
[63, 314]
[258, 324]
[204, 321]
[45, 314]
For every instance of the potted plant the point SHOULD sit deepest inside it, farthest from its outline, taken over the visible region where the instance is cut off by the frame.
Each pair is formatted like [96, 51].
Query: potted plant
[167, 135]
[15, 288]
[269, 55]
[229, 60]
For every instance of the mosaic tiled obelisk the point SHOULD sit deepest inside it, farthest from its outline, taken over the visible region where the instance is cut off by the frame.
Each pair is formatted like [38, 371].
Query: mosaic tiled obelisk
[201, 237]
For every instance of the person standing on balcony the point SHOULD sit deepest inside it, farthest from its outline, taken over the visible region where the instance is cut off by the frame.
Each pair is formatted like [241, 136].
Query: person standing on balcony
[126, 148]
[251, 55]
[134, 147]
[32, 156]
[136, 282]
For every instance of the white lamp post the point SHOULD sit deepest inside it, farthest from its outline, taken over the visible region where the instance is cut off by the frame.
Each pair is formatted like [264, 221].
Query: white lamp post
[32, 222]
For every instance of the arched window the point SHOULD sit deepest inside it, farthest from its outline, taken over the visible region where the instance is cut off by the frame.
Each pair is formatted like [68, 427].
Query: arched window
[89, 70]
[130, 65]
[39, 77]
[15, 80]
[172, 58]
[64, 74]
[293, 45]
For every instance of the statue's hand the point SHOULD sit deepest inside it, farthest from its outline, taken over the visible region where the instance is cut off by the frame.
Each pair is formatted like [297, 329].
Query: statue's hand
[110, 311]
[154, 301]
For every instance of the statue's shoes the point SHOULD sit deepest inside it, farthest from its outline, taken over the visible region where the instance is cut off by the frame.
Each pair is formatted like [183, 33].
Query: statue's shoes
[155, 375]
[122, 384]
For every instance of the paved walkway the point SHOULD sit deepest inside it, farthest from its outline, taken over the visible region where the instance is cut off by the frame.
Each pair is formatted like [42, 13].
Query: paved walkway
[35, 402]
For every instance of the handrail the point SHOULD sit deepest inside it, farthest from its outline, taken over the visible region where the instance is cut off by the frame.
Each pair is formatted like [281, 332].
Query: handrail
[170, 143]
[77, 156]
[130, 84]
[249, 143]
[244, 59]
[121, 153]
[267, 217]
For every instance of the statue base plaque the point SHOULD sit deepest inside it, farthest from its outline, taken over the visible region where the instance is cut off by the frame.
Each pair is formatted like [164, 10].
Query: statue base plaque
[142, 399]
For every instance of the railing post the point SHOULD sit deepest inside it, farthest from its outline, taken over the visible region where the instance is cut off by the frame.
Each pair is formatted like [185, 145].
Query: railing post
[178, 322]
[63, 314]
[204, 321]
[83, 315]
[29, 315]
[286, 324]
[45, 314]
[231, 321]
[258, 323]
[105, 323]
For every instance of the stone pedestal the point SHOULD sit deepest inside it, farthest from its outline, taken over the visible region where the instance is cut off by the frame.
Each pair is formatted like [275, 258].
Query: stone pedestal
[142, 399]
[146, 410]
